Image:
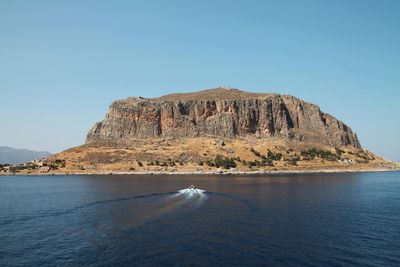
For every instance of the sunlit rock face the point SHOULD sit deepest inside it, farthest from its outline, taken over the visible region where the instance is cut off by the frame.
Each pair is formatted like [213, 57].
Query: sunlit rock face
[221, 113]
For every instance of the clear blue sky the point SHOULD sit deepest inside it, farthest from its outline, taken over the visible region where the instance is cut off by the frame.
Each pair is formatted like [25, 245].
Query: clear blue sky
[63, 62]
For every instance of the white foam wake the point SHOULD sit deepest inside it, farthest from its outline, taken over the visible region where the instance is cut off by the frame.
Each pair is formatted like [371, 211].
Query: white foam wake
[191, 192]
[194, 196]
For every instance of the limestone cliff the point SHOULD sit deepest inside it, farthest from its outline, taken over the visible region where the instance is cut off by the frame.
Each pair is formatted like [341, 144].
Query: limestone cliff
[221, 113]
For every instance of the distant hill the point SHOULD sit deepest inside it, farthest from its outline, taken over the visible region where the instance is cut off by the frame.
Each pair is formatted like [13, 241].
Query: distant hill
[16, 156]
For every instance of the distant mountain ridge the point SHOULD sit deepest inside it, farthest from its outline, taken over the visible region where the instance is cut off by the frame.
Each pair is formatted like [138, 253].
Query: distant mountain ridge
[9, 155]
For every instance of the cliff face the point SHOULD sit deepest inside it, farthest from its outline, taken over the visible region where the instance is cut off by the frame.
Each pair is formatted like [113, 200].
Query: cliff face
[225, 113]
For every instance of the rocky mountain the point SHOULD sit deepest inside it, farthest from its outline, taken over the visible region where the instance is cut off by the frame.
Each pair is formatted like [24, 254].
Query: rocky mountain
[221, 113]
[10, 155]
[213, 131]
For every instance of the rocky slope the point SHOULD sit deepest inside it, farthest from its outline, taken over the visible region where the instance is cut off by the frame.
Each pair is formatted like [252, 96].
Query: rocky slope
[221, 113]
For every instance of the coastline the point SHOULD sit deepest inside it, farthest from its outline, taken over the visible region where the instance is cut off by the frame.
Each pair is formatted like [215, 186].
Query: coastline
[201, 173]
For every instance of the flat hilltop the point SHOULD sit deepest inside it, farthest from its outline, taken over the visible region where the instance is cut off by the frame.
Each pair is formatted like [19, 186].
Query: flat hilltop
[219, 93]
[213, 131]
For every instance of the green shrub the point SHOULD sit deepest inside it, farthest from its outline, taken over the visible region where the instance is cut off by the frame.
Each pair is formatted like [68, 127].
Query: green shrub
[323, 154]
[210, 163]
[273, 156]
[171, 163]
[251, 163]
[339, 151]
[255, 152]
[267, 162]
[225, 162]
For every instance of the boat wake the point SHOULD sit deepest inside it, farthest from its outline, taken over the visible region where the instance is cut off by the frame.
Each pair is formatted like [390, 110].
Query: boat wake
[184, 200]
[192, 196]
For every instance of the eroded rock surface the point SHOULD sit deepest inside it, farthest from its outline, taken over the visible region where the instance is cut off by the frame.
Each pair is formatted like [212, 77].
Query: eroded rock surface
[221, 113]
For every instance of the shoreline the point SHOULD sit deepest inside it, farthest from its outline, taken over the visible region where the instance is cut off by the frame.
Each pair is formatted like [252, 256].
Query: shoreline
[216, 172]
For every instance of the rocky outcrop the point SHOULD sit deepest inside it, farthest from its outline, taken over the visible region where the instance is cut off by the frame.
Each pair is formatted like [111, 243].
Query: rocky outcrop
[221, 113]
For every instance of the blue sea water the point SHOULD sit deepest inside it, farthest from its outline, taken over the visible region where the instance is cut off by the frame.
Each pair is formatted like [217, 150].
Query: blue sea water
[280, 220]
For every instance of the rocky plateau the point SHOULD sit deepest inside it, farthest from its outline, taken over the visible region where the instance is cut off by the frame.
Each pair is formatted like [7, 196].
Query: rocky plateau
[221, 113]
[218, 130]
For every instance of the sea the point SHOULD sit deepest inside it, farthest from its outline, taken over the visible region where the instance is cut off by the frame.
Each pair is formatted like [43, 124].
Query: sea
[336, 219]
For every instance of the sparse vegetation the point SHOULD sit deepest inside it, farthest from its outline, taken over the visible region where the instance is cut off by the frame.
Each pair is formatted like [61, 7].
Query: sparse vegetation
[256, 163]
[266, 160]
[292, 161]
[201, 154]
[171, 163]
[225, 162]
[52, 165]
[312, 153]
[210, 163]
[255, 152]
[274, 156]
[363, 155]
[339, 151]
